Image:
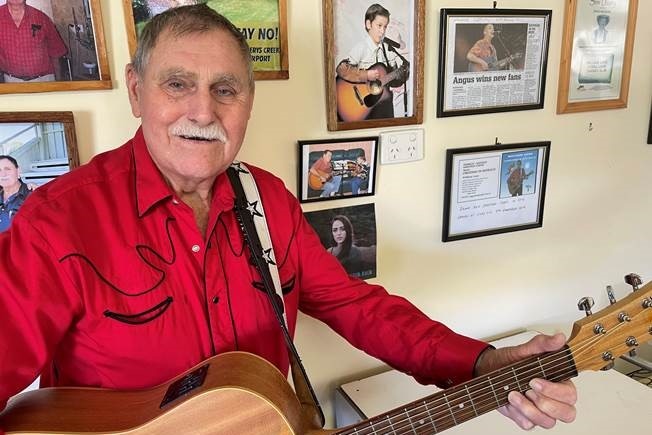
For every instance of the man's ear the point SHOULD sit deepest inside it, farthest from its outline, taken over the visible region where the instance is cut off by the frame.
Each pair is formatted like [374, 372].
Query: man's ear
[367, 25]
[133, 88]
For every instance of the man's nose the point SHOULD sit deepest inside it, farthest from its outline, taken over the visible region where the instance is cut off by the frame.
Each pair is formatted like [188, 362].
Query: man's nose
[202, 108]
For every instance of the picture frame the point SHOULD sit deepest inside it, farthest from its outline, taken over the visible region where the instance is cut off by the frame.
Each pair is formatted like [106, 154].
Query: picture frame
[264, 24]
[649, 131]
[596, 55]
[349, 171]
[43, 143]
[77, 26]
[494, 189]
[492, 60]
[349, 233]
[395, 95]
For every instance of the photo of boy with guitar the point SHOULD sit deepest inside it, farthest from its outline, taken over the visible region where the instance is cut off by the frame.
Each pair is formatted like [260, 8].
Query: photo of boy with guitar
[366, 76]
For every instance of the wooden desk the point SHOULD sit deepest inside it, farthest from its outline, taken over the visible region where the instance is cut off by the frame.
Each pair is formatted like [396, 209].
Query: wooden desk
[609, 403]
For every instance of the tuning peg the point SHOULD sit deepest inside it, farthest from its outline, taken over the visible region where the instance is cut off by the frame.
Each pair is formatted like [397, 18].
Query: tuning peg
[585, 305]
[610, 294]
[609, 358]
[634, 280]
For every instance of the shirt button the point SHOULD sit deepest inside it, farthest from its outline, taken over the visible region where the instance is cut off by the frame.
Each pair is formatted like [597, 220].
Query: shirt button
[175, 201]
[216, 299]
[195, 248]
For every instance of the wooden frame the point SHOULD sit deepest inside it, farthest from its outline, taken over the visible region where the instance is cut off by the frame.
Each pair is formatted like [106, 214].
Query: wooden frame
[492, 60]
[494, 189]
[270, 60]
[90, 71]
[594, 70]
[353, 103]
[60, 159]
[353, 178]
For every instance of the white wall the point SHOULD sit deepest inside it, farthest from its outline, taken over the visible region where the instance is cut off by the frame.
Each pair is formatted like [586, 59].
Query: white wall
[597, 208]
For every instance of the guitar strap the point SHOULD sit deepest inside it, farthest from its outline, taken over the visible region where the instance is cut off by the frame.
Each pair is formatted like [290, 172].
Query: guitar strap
[251, 217]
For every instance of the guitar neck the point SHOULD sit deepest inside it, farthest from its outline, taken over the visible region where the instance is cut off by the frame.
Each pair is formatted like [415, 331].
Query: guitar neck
[464, 402]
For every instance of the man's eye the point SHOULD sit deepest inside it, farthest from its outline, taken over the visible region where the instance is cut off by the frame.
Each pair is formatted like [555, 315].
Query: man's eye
[225, 92]
[175, 85]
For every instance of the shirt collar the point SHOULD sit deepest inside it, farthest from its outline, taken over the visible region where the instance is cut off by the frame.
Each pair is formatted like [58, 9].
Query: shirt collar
[371, 44]
[151, 187]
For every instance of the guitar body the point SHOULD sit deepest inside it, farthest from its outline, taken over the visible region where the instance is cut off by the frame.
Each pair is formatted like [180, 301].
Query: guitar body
[494, 64]
[241, 394]
[356, 100]
[315, 182]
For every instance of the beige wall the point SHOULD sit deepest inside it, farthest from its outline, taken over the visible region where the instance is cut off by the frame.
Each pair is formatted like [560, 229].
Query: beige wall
[597, 223]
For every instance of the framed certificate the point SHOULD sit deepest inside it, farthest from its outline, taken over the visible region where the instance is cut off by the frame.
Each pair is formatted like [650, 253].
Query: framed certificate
[494, 189]
[596, 58]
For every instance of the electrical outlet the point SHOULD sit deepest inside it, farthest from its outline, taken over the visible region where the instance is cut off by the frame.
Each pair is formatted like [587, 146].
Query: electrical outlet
[401, 146]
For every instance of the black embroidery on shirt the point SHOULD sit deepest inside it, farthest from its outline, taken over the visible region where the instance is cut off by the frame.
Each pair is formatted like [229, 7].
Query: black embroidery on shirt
[141, 318]
[141, 250]
[236, 252]
[286, 287]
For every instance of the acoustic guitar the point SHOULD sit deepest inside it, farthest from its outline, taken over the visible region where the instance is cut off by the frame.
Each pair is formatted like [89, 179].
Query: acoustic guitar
[239, 393]
[356, 100]
[315, 182]
[494, 66]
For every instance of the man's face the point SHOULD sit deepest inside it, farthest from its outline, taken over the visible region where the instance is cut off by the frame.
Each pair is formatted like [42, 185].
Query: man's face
[489, 30]
[328, 156]
[377, 27]
[195, 99]
[8, 173]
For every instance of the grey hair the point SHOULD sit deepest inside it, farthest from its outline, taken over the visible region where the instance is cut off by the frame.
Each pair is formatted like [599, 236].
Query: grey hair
[187, 20]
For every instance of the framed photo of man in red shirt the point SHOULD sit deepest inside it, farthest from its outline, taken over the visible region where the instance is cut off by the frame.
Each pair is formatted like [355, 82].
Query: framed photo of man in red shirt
[48, 45]
[337, 168]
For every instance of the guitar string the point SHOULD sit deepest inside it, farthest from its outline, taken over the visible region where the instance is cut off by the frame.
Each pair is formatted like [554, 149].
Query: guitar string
[560, 376]
[481, 402]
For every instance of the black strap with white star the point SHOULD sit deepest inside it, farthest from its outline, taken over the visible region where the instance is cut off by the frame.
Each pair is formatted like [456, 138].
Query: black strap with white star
[251, 217]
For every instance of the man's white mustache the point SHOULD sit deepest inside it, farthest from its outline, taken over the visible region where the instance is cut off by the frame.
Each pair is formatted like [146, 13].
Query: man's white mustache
[211, 132]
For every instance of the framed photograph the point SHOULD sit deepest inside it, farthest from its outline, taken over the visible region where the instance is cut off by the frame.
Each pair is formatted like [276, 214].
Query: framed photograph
[263, 22]
[492, 60]
[374, 63]
[337, 168]
[596, 55]
[35, 147]
[494, 189]
[58, 46]
[349, 233]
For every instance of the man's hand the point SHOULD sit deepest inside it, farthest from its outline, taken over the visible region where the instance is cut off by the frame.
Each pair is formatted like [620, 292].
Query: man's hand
[547, 401]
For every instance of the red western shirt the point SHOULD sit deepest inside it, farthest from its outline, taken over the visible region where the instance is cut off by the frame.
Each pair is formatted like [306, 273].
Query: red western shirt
[107, 282]
[27, 49]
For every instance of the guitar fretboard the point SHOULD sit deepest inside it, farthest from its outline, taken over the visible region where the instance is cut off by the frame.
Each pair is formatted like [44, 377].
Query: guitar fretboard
[464, 402]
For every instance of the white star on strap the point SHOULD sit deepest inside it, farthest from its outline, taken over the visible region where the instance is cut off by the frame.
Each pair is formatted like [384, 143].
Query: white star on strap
[267, 255]
[252, 208]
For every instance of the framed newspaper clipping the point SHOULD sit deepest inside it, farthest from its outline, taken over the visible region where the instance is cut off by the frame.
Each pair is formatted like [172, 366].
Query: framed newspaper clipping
[494, 189]
[492, 60]
[596, 55]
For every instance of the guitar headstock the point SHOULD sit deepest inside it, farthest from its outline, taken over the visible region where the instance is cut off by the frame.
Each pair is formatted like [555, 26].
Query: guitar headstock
[613, 331]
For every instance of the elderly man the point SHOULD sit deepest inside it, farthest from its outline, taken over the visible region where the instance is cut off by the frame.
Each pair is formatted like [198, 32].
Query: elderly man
[30, 46]
[138, 267]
